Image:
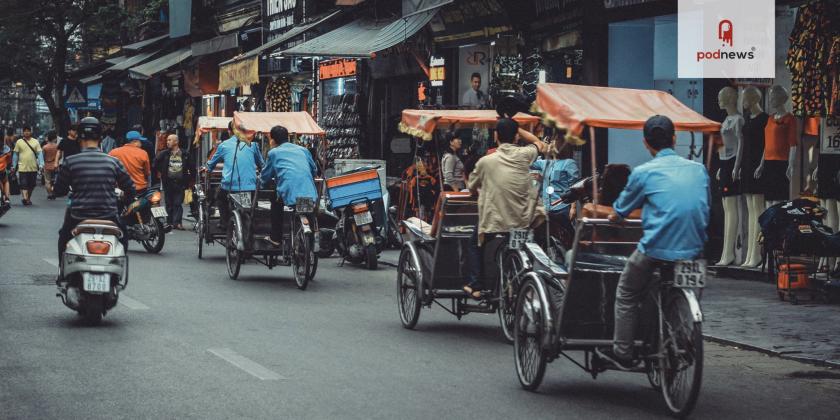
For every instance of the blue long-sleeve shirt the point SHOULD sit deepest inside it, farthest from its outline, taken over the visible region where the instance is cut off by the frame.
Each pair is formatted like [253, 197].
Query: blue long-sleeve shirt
[561, 175]
[242, 174]
[673, 193]
[294, 170]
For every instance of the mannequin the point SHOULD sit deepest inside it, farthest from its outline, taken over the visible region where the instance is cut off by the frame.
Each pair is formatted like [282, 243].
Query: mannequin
[780, 140]
[749, 158]
[731, 131]
[828, 191]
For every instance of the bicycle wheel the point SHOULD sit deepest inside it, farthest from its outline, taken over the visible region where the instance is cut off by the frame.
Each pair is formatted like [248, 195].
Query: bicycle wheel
[681, 369]
[301, 256]
[200, 227]
[232, 255]
[408, 298]
[508, 285]
[529, 326]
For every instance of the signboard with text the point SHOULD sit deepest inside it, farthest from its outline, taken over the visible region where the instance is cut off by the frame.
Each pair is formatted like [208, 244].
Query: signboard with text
[830, 136]
[332, 69]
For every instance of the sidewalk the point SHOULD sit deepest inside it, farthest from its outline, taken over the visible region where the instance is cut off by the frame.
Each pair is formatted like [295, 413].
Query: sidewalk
[749, 314]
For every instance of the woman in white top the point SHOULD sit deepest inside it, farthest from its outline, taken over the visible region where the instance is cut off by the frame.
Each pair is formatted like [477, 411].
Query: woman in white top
[452, 166]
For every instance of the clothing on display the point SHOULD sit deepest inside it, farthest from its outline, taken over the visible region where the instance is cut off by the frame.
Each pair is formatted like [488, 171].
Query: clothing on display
[728, 185]
[753, 151]
[776, 183]
[779, 136]
[534, 63]
[278, 96]
[828, 169]
[834, 76]
[808, 58]
[731, 131]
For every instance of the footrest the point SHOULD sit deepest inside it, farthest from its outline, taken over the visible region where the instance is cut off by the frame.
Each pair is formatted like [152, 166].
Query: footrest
[481, 308]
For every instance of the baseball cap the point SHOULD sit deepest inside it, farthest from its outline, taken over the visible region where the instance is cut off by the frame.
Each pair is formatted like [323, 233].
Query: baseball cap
[134, 135]
[659, 125]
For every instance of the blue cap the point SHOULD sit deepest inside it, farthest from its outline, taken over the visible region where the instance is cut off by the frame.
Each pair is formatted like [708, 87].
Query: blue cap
[134, 135]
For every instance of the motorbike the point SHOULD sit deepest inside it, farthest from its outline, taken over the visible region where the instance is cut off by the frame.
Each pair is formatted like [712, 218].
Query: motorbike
[327, 220]
[357, 236]
[94, 267]
[145, 219]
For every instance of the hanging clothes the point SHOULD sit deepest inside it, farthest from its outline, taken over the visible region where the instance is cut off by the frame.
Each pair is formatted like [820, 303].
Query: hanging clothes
[278, 96]
[834, 74]
[807, 60]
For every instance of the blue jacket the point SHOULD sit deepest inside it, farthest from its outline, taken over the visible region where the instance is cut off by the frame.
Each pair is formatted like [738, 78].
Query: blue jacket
[242, 174]
[294, 170]
[561, 175]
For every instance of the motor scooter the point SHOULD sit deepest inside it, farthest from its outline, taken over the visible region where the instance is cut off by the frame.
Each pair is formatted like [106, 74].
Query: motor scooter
[357, 236]
[145, 220]
[94, 268]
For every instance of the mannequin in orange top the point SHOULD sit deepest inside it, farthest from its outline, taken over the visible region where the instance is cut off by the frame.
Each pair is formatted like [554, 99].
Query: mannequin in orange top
[781, 137]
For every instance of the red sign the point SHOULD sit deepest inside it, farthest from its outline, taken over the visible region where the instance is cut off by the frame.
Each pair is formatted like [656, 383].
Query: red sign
[337, 68]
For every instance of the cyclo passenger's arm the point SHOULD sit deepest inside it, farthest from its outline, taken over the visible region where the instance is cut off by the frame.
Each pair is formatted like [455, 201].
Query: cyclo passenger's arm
[214, 160]
[530, 138]
[631, 198]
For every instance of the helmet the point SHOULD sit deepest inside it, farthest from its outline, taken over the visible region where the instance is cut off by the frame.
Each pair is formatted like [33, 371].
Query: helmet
[90, 129]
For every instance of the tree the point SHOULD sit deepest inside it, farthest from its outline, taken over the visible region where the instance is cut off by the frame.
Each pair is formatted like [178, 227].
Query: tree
[42, 39]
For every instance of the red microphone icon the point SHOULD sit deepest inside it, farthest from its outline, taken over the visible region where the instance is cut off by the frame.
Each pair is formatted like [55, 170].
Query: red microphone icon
[725, 31]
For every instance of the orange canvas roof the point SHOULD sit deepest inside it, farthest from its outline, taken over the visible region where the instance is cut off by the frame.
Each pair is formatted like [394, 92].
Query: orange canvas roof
[262, 122]
[423, 122]
[206, 124]
[575, 106]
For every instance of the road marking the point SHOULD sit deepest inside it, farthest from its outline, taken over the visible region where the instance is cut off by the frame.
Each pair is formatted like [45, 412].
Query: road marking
[253, 368]
[51, 261]
[131, 303]
[11, 241]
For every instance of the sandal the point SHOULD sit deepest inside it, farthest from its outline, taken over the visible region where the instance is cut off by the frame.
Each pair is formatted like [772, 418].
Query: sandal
[475, 294]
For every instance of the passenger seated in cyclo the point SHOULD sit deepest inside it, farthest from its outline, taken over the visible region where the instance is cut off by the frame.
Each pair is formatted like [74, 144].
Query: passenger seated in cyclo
[293, 170]
[507, 198]
[241, 158]
[673, 194]
[556, 181]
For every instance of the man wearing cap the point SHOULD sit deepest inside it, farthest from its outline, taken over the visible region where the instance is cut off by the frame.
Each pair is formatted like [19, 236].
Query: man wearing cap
[135, 160]
[673, 194]
[241, 159]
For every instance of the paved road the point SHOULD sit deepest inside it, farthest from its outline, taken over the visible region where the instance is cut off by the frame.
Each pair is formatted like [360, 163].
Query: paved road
[190, 343]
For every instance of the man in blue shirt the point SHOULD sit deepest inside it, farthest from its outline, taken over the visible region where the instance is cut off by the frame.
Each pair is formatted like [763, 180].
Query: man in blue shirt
[559, 178]
[673, 194]
[241, 160]
[293, 170]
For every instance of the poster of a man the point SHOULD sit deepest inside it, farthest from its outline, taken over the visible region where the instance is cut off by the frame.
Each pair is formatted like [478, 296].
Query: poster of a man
[474, 97]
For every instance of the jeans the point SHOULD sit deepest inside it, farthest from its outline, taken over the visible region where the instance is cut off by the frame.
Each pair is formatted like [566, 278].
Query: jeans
[70, 223]
[173, 194]
[474, 254]
[632, 286]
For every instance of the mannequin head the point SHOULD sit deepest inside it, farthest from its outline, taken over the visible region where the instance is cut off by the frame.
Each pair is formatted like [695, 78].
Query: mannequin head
[778, 97]
[728, 99]
[752, 99]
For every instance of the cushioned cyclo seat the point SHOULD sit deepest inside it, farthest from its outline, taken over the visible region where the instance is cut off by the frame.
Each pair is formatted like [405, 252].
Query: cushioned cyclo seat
[419, 228]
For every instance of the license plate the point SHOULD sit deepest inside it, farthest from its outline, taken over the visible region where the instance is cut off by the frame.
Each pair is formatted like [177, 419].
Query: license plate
[242, 198]
[97, 282]
[305, 205]
[519, 237]
[363, 218]
[690, 274]
[158, 212]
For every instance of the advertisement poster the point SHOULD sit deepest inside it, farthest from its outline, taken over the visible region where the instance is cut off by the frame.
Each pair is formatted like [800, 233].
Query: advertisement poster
[473, 59]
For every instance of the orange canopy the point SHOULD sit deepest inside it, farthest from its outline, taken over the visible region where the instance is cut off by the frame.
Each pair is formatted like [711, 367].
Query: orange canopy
[575, 106]
[262, 122]
[207, 124]
[423, 122]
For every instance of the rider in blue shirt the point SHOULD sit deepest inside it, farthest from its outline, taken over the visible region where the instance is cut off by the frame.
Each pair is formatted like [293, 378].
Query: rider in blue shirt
[241, 160]
[673, 194]
[293, 169]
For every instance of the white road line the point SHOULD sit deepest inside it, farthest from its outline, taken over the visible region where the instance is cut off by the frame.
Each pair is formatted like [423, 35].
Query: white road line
[253, 368]
[11, 240]
[51, 261]
[131, 303]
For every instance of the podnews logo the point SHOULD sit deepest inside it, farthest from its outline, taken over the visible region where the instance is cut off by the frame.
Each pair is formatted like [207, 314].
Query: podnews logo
[726, 34]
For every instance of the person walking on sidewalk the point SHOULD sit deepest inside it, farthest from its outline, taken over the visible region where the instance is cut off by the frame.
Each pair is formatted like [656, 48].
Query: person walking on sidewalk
[50, 163]
[27, 160]
[174, 167]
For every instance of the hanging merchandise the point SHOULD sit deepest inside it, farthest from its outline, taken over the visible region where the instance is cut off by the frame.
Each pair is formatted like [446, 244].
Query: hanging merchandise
[343, 126]
[278, 96]
[808, 60]
[834, 73]
[189, 115]
[507, 76]
[533, 65]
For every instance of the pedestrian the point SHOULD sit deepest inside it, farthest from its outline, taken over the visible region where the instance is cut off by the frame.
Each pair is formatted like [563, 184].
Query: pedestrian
[27, 160]
[69, 145]
[5, 164]
[50, 163]
[135, 160]
[109, 142]
[174, 167]
[453, 167]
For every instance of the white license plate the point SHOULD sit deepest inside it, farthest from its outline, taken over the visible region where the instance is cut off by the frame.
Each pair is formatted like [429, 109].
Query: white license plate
[690, 274]
[363, 218]
[243, 198]
[158, 212]
[519, 237]
[97, 282]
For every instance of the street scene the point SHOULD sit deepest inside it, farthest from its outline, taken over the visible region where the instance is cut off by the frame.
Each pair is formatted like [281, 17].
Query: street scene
[401, 209]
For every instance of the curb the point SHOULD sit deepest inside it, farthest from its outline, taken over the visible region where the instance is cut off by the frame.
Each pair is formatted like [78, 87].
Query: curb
[781, 355]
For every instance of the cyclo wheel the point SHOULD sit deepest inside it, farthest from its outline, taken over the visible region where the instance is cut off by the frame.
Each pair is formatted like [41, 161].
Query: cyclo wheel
[408, 296]
[232, 255]
[508, 286]
[201, 222]
[681, 369]
[528, 331]
[301, 256]
[155, 245]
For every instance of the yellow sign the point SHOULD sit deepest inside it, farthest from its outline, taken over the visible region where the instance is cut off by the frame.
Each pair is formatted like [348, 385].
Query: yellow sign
[240, 73]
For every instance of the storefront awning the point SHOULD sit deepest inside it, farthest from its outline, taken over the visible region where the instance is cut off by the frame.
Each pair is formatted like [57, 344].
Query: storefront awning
[575, 106]
[214, 45]
[423, 122]
[364, 37]
[147, 70]
[132, 61]
[91, 79]
[139, 45]
[116, 60]
[263, 122]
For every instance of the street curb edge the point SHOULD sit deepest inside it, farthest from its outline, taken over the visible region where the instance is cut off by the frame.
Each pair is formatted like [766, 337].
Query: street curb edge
[807, 360]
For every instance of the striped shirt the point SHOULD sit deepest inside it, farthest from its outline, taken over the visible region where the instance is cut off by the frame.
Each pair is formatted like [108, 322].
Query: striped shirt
[92, 176]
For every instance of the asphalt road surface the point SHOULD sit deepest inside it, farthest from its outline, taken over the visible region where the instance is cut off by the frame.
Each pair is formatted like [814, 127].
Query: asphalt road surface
[187, 342]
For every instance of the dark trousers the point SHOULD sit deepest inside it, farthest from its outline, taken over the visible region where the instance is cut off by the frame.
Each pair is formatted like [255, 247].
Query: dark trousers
[474, 254]
[277, 220]
[223, 203]
[70, 223]
[173, 194]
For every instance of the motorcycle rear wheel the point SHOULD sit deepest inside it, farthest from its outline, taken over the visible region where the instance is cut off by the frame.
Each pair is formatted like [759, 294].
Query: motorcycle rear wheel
[371, 258]
[92, 309]
[155, 245]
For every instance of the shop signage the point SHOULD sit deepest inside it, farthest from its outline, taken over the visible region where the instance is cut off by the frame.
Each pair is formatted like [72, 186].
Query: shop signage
[239, 73]
[279, 15]
[830, 138]
[612, 4]
[437, 71]
[332, 69]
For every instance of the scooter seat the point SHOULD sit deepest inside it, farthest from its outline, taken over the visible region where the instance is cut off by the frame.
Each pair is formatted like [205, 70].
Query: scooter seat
[101, 222]
[106, 227]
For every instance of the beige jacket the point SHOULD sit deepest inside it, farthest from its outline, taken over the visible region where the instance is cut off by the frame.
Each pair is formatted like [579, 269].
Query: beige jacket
[508, 198]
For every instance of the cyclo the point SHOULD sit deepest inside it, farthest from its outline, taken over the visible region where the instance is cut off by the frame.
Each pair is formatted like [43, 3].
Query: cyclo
[432, 264]
[251, 213]
[558, 312]
[207, 221]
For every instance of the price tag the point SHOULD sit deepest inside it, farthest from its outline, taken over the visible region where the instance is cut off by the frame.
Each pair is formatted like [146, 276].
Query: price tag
[830, 136]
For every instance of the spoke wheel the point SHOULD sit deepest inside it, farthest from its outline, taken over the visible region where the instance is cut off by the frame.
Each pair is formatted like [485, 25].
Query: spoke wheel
[508, 285]
[302, 256]
[529, 327]
[200, 227]
[653, 375]
[681, 369]
[232, 255]
[155, 243]
[408, 296]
